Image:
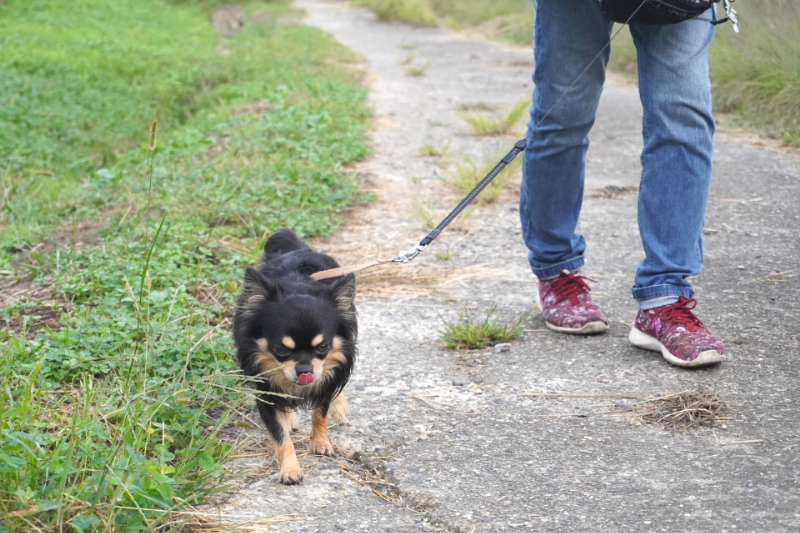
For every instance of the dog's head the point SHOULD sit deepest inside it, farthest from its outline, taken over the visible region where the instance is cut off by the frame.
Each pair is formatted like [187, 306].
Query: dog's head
[299, 338]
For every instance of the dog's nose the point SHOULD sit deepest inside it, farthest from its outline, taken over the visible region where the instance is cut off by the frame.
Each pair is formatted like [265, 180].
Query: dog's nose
[303, 368]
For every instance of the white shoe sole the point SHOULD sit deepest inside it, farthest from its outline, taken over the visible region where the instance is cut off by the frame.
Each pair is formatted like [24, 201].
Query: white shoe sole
[591, 328]
[646, 342]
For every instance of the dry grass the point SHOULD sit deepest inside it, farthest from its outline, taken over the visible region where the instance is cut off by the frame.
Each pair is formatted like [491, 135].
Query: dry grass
[683, 410]
[427, 213]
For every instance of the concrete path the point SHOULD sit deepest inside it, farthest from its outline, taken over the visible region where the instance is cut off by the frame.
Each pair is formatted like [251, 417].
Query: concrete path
[460, 445]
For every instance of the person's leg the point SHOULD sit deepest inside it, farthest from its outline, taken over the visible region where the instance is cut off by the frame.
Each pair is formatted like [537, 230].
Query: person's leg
[676, 173]
[568, 35]
[676, 160]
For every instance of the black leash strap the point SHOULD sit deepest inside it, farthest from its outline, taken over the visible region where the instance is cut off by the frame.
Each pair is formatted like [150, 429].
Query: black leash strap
[405, 257]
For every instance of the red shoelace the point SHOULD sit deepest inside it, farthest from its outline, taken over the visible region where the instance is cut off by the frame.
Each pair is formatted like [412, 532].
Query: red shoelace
[570, 285]
[680, 313]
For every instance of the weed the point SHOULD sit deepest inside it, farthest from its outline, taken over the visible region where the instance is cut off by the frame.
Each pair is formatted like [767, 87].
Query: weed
[430, 150]
[478, 106]
[417, 70]
[416, 12]
[469, 333]
[491, 124]
[466, 173]
[444, 255]
[407, 60]
[426, 212]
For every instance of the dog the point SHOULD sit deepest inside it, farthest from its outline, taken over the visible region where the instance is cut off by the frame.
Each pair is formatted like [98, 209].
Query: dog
[296, 340]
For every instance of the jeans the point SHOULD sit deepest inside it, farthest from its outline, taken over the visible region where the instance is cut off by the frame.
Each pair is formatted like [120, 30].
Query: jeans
[675, 91]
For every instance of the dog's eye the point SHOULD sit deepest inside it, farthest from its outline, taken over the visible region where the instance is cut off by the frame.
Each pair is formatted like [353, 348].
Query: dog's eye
[322, 349]
[281, 351]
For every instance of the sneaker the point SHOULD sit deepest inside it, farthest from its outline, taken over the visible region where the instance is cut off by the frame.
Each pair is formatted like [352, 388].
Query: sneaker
[678, 334]
[567, 306]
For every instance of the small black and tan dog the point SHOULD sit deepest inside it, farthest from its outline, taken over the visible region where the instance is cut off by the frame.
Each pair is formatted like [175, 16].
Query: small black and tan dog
[296, 337]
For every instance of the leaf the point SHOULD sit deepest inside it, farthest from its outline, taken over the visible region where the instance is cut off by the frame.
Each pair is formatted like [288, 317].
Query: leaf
[84, 522]
[206, 461]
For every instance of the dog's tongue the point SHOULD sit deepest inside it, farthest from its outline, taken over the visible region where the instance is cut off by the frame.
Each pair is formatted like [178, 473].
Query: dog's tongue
[305, 379]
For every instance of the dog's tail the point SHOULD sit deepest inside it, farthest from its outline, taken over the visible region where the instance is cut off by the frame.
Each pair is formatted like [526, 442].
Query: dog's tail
[281, 242]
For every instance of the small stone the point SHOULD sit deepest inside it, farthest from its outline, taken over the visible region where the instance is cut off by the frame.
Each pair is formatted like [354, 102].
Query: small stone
[457, 383]
[740, 267]
[502, 347]
[477, 380]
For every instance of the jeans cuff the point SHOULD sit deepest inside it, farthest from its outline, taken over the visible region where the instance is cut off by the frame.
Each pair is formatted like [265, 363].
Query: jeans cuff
[554, 270]
[657, 291]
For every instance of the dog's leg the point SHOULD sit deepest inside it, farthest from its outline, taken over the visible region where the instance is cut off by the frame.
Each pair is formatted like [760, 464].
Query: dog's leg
[278, 429]
[339, 408]
[292, 421]
[319, 431]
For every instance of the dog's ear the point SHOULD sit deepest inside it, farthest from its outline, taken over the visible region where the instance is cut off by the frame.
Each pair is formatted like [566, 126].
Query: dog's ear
[257, 288]
[343, 291]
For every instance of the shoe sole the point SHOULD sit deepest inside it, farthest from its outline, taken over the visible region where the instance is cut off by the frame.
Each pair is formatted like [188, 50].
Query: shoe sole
[642, 340]
[592, 328]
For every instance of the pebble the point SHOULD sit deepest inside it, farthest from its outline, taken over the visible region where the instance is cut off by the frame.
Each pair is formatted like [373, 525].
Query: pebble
[740, 267]
[457, 383]
[502, 347]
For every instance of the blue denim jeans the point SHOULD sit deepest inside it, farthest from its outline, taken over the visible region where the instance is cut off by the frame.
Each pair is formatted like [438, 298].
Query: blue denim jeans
[677, 128]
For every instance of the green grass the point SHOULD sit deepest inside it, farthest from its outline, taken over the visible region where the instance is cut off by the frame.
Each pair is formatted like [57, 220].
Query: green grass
[110, 371]
[466, 172]
[431, 150]
[505, 20]
[493, 124]
[417, 70]
[470, 332]
[416, 12]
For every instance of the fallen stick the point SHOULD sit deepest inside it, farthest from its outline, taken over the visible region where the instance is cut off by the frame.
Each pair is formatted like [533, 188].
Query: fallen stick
[582, 395]
[756, 441]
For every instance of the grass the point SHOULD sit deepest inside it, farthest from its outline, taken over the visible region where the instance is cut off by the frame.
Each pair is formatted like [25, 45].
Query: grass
[130, 256]
[492, 124]
[466, 172]
[427, 213]
[416, 12]
[469, 332]
[417, 70]
[505, 20]
[431, 150]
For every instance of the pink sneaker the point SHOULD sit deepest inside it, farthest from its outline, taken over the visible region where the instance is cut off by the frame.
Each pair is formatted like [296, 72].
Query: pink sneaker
[674, 331]
[567, 306]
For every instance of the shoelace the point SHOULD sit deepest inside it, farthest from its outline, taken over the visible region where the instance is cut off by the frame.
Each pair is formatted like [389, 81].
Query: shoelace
[680, 313]
[570, 285]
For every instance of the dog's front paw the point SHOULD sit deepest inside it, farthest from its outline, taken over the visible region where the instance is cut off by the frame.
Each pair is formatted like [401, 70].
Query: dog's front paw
[291, 475]
[339, 409]
[322, 447]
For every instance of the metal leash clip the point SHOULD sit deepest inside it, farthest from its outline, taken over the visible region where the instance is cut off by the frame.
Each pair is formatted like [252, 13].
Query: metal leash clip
[732, 15]
[408, 255]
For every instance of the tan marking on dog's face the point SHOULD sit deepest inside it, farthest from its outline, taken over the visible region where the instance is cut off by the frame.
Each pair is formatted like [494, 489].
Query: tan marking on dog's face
[316, 341]
[274, 370]
[262, 344]
[334, 358]
[288, 342]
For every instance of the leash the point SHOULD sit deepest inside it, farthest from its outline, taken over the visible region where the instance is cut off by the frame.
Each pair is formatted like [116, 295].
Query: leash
[519, 146]
[409, 255]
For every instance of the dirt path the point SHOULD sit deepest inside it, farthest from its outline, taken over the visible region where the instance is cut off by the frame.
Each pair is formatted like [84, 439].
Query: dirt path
[453, 434]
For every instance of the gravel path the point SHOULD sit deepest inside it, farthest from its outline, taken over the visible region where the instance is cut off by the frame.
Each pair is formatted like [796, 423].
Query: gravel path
[454, 434]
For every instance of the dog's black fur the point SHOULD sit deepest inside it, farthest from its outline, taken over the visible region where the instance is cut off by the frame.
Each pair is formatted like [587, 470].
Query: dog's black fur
[287, 325]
